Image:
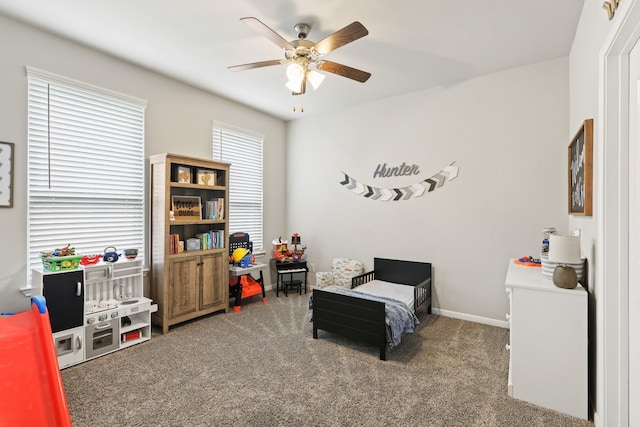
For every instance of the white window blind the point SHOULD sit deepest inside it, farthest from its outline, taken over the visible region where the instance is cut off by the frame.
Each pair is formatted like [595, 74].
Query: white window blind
[86, 167]
[243, 150]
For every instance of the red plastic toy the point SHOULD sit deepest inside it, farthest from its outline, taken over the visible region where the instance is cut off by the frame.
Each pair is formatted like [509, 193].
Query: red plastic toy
[31, 386]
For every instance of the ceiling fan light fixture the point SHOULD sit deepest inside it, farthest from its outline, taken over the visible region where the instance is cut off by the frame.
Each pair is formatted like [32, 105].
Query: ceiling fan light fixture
[299, 54]
[294, 86]
[315, 78]
[295, 72]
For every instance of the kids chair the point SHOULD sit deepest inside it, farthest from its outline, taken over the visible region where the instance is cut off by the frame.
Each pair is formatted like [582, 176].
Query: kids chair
[242, 284]
[342, 270]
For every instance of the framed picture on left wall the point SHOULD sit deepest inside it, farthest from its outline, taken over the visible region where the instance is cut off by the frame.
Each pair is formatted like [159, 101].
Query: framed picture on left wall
[6, 174]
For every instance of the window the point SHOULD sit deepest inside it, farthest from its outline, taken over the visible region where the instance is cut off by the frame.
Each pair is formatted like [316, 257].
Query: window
[86, 167]
[243, 150]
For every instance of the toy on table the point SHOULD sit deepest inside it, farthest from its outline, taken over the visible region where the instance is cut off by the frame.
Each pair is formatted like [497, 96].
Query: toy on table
[242, 284]
[529, 261]
[242, 257]
[90, 259]
[60, 259]
[281, 252]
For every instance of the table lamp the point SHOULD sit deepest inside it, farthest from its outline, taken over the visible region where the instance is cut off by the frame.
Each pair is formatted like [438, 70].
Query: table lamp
[564, 250]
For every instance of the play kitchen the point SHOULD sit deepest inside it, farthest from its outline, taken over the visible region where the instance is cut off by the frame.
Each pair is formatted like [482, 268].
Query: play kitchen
[96, 309]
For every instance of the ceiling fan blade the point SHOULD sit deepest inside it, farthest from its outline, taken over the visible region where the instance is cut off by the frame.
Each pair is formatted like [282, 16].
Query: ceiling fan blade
[263, 29]
[343, 70]
[351, 32]
[261, 64]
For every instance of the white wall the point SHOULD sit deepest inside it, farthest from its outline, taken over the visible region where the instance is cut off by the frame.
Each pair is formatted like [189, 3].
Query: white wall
[604, 236]
[594, 29]
[178, 120]
[507, 132]
[583, 104]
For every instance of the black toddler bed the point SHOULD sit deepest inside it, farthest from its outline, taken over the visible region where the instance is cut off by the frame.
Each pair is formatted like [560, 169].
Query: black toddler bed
[364, 319]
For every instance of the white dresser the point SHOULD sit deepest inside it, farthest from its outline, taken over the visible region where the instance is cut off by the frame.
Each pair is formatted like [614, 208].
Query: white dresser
[548, 355]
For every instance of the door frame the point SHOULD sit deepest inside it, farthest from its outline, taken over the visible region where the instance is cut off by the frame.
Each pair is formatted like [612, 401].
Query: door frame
[612, 252]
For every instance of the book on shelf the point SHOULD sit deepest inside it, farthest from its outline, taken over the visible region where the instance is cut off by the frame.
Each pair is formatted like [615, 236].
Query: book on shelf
[176, 245]
[220, 208]
[214, 208]
[204, 240]
[212, 239]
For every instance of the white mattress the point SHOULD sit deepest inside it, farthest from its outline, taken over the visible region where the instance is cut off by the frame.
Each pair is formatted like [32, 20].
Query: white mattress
[403, 293]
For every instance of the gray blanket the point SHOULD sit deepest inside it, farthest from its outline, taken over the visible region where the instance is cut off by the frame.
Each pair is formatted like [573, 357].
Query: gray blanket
[399, 318]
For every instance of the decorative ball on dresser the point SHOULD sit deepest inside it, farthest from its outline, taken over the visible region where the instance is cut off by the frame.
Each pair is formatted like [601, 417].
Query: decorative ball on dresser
[564, 276]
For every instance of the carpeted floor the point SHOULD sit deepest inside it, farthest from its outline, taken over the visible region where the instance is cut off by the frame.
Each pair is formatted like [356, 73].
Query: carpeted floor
[261, 367]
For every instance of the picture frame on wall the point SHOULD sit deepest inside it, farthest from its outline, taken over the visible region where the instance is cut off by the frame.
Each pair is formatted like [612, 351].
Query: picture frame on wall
[7, 150]
[580, 180]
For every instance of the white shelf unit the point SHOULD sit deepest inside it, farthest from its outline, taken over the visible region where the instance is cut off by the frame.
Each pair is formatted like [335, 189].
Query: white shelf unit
[140, 324]
[548, 348]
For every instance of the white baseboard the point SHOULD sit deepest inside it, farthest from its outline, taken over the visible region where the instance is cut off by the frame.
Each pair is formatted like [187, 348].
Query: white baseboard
[471, 318]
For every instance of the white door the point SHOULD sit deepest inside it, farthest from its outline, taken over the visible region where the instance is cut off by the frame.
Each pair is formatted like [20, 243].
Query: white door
[634, 238]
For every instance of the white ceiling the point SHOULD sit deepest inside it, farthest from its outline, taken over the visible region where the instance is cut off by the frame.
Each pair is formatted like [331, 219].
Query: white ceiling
[412, 44]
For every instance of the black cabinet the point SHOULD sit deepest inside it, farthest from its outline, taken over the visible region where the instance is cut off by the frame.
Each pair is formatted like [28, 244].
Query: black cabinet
[64, 294]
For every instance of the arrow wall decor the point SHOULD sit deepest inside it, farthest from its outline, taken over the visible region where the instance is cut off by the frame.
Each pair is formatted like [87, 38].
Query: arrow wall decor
[403, 193]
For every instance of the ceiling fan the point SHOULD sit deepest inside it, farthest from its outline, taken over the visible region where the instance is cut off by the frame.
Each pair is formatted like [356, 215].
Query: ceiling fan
[301, 53]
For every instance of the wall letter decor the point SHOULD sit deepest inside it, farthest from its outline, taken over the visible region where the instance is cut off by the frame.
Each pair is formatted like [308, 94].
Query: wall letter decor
[6, 174]
[403, 193]
[382, 171]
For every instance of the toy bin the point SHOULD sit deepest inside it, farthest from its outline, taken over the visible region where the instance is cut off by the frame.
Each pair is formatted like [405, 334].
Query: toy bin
[61, 263]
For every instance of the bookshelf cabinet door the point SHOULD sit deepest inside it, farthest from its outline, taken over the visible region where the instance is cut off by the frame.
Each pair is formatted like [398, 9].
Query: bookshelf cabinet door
[215, 289]
[183, 274]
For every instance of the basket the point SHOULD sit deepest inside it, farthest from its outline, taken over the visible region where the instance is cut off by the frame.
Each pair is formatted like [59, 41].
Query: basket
[549, 266]
[61, 263]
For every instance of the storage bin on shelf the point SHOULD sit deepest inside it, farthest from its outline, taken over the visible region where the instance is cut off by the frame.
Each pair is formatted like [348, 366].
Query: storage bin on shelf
[61, 263]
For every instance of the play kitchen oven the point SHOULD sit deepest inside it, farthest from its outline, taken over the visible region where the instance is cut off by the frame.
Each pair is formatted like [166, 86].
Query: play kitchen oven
[96, 309]
[101, 338]
[110, 329]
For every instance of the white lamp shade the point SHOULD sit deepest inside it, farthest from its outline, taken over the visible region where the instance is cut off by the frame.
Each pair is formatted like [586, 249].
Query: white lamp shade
[295, 72]
[315, 78]
[294, 86]
[564, 249]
